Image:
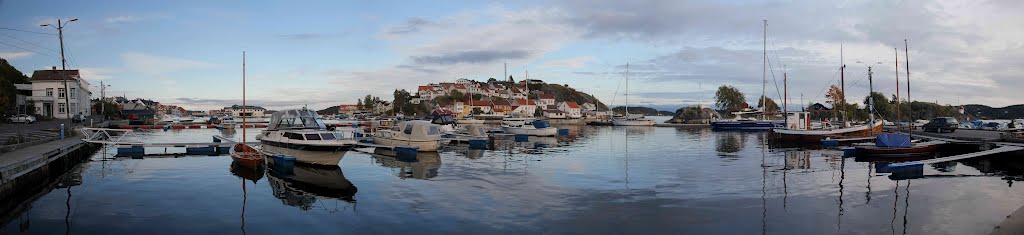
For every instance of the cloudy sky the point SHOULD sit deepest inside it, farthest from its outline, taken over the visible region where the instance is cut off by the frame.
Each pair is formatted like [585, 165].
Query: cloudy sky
[326, 53]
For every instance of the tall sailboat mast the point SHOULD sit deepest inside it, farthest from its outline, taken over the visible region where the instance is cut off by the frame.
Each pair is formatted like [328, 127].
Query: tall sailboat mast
[243, 97]
[764, 71]
[842, 83]
[627, 90]
[898, 118]
[910, 103]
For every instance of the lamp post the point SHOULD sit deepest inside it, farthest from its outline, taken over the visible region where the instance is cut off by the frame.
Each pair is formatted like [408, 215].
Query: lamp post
[63, 64]
[871, 98]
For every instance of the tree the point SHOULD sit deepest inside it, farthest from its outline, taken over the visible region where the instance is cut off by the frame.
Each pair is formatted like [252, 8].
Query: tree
[728, 98]
[492, 80]
[883, 108]
[477, 96]
[402, 98]
[772, 106]
[359, 104]
[110, 112]
[510, 80]
[368, 103]
[456, 95]
[8, 92]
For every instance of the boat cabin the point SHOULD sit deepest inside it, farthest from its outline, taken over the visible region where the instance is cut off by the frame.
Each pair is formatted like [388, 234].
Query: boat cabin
[418, 130]
[798, 120]
[296, 119]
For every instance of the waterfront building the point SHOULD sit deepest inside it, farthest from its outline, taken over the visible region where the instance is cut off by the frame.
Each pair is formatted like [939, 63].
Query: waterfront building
[48, 93]
[571, 109]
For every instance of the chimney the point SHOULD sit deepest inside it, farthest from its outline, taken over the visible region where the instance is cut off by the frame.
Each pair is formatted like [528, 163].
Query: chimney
[54, 68]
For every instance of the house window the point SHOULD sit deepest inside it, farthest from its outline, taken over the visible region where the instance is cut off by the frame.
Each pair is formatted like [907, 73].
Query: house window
[49, 91]
[61, 108]
[60, 93]
[72, 92]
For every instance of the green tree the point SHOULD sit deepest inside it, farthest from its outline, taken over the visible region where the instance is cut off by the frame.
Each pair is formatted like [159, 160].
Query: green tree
[772, 106]
[8, 92]
[110, 111]
[368, 103]
[456, 95]
[730, 99]
[401, 99]
[883, 108]
[359, 104]
[492, 80]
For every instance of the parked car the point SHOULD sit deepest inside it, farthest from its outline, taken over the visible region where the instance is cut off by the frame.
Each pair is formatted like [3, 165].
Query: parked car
[941, 124]
[22, 118]
[78, 118]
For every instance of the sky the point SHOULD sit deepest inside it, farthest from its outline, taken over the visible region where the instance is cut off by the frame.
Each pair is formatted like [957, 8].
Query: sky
[324, 53]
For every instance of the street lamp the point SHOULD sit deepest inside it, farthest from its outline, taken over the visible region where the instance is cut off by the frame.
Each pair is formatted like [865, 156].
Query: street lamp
[63, 64]
[871, 98]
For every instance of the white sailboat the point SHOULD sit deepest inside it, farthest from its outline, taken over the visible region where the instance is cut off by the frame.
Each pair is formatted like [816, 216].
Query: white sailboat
[631, 119]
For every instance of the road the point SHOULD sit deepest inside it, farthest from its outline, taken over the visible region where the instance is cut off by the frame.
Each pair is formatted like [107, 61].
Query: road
[37, 126]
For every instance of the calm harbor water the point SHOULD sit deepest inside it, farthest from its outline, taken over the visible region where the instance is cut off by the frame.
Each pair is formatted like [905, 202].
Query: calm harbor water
[598, 180]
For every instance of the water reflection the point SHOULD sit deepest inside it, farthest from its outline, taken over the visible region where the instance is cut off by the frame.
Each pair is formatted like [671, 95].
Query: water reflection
[728, 143]
[424, 166]
[303, 185]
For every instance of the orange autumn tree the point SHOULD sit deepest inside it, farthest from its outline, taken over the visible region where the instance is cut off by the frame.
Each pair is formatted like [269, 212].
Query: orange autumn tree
[835, 98]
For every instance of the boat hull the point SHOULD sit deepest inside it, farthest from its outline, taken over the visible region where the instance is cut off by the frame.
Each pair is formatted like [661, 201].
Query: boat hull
[421, 145]
[246, 156]
[550, 131]
[817, 135]
[915, 150]
[745, 125]
[307, 147]
[644, 122]
[309, 157]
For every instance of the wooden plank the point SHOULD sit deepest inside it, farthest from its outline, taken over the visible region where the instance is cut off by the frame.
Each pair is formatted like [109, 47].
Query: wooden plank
[958, 157]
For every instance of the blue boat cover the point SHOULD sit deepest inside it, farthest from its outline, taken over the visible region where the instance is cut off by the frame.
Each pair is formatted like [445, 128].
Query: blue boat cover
[892, 140]
[540, 124]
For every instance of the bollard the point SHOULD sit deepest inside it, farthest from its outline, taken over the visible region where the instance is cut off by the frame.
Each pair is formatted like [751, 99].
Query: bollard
[563, 131]
[522, 137]
[62, 131]
[478, 144]
[406, 153]
[282, 164]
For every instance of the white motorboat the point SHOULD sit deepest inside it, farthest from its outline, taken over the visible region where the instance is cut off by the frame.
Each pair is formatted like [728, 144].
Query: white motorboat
[423, 135]
[444, 121]
[228, 122]
[319, 158]
[528, 126]
[302, 129]
[469, 121]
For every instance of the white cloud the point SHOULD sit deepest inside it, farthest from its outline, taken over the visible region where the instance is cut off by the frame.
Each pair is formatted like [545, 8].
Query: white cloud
[122, 19]
[158, 65]
[93, 74]
[574, 63]
[15, 55]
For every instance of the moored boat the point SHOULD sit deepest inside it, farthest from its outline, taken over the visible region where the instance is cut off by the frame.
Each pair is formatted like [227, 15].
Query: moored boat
[423, 135]
[302, 129]
[246, 155]
[528, 126]
[799, 129]
[897, 145]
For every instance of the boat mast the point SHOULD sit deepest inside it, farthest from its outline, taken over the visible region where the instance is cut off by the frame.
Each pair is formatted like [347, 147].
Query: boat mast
[910, 104]
[785, 98]
[627, 90]
[764, 71]
[871, 101]
[243, 97]
[898, 118]
[842, 83]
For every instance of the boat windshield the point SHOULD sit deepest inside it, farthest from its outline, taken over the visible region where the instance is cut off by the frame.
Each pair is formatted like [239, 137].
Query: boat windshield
[296, 119]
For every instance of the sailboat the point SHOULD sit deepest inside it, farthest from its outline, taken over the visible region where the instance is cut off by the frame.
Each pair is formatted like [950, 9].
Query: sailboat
[798, 124]
[749, 123]
[631, 119]
[242, 153]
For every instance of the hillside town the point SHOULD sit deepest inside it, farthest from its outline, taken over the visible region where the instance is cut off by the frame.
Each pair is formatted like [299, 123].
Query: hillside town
[469, 98]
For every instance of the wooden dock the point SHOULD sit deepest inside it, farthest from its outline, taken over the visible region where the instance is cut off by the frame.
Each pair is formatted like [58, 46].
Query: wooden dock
[1002, 149]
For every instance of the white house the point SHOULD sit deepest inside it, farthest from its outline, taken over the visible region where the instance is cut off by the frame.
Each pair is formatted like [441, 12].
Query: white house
[546, 99]
[483, 106]
[554, 114]
[51, 99]
[571, 109]
[247, 111]
[524, 107]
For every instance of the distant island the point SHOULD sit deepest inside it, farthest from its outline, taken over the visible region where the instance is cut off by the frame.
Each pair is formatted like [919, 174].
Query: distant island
[642, 110]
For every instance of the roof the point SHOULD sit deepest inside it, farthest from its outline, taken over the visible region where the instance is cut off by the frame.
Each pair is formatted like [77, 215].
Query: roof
[479, 103]
[525, 102]
[460, 86]
[552, 107]
[54, 75]
[503, 102]
[547, 96]
[423, 88]
[572, 104]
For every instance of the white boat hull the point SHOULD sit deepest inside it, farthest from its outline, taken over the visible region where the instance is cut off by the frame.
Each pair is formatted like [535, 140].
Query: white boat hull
[421, 145]
[639, 122]
[469, 121]
[324, 158]
[550, 131]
